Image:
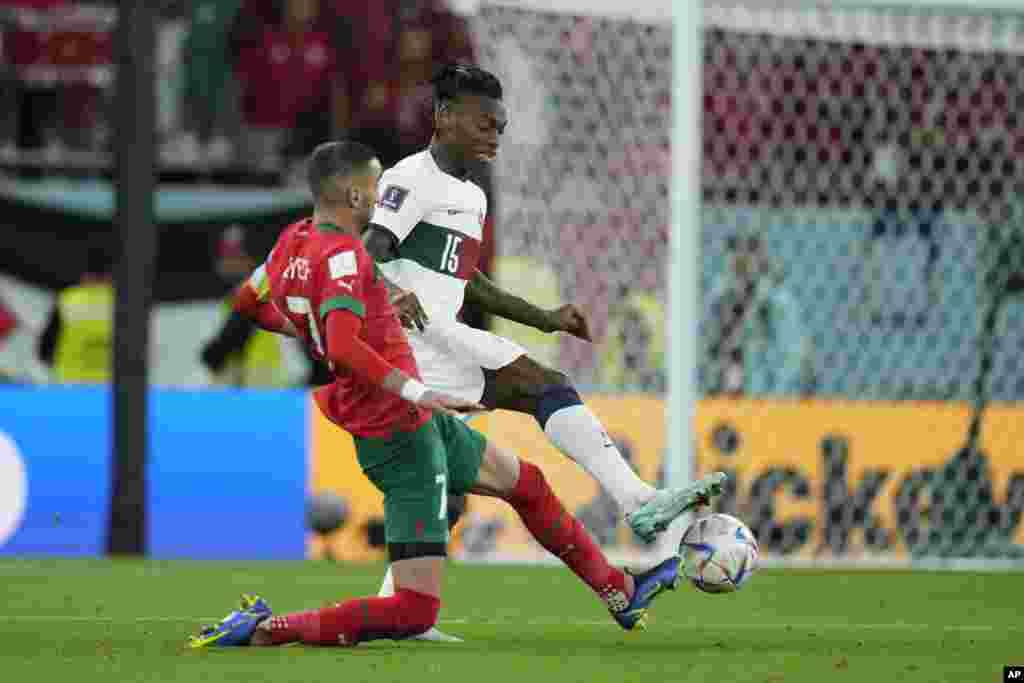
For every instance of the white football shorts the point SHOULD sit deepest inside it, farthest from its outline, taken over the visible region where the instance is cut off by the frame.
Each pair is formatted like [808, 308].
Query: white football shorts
[451, 357]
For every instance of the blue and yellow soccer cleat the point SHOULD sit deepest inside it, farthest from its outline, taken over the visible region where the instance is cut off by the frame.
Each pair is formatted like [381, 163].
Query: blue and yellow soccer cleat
[236, 628]
[648, 586]
[655, 515]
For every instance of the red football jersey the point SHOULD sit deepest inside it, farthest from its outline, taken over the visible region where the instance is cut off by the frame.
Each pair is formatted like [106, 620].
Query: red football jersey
[316, 269]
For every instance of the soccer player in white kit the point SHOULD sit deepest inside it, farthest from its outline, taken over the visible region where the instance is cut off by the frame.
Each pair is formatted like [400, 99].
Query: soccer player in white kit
[426, 235]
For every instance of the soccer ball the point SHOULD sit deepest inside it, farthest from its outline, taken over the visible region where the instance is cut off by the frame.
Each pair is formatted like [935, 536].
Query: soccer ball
[719, 553]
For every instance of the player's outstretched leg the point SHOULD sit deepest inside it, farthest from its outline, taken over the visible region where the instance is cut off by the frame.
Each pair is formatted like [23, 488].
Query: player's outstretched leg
[655, 515]
[574, 429]
[433, 634]
[405, 614]
[524, 487]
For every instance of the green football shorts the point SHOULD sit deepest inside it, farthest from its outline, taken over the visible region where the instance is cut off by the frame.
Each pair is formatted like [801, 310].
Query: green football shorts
[417, 470]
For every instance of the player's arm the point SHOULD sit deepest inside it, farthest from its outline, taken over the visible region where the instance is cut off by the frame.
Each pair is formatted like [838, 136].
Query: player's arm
[46, 350]
[398, 211]
[348, 274]
[482, 292]
[234, 334]
[252, 300]
[346, 349]
[382, 245]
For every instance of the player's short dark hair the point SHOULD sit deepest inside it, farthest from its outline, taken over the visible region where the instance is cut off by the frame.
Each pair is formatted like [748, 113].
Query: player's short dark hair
[452, 80]
[336, 159]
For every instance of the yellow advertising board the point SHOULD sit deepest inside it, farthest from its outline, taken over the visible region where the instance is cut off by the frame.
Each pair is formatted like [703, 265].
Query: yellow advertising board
[813, 478]
[638, 423]
[817, 462]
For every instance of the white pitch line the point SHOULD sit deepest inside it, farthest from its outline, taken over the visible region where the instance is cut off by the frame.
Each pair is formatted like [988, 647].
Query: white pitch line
[99, 619]
[749, 626]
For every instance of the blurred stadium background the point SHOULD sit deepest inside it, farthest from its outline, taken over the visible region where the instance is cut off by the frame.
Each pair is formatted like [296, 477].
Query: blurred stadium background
[858, 252]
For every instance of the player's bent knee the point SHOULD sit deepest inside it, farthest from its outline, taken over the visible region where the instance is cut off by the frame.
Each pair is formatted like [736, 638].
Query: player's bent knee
[499, 472]
[423, 573]
[530, 485]
[554, 399]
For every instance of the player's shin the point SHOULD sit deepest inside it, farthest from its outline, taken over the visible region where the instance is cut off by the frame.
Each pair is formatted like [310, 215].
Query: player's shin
[574, 429]
[404, 614]
[563, 536]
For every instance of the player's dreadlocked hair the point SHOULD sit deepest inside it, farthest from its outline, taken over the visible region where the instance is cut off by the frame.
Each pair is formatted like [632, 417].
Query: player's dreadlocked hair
[452, 80]
[335, 159]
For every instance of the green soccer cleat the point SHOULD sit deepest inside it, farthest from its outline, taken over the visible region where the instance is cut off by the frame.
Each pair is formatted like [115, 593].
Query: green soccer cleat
[655, 515]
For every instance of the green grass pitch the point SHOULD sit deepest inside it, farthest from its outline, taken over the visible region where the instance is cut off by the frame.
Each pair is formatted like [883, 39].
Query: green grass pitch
[96, 620]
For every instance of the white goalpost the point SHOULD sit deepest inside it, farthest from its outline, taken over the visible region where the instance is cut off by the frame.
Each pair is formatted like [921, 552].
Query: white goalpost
[684, 240]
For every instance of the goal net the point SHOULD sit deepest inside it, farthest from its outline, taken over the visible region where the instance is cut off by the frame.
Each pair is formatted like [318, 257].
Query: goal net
[860, 258]
[862, 247]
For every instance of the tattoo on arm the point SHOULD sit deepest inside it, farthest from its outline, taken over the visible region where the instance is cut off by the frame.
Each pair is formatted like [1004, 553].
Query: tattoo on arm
[492, 299]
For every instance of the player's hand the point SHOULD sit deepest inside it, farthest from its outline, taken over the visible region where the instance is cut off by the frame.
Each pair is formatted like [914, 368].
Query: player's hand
[409, 311]
[570, 319]
[443, 403]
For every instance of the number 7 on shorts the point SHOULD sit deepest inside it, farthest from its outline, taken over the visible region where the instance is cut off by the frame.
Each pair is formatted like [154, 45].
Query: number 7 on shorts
[442, 481]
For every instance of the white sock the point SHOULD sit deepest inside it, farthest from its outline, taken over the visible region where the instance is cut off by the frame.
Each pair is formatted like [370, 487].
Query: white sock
[387, 589]
[577, 432]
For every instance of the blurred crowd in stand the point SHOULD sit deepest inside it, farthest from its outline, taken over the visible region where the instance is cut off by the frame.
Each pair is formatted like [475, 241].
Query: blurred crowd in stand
[243, 84]
[245, 90]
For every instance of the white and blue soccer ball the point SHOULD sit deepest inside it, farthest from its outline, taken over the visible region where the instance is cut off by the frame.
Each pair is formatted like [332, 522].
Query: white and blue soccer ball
[719, 553]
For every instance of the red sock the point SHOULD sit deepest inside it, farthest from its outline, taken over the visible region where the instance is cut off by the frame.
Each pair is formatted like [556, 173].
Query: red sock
[563, 536]
[406, 613]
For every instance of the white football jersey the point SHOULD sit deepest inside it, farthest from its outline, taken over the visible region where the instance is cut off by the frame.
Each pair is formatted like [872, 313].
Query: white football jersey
[438, 220]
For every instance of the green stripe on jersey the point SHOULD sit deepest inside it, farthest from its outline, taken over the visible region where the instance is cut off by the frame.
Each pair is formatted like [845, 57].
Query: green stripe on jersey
[343, 303]
[436, 248]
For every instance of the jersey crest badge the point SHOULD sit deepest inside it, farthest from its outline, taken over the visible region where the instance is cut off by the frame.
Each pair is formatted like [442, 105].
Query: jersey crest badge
[393, 197]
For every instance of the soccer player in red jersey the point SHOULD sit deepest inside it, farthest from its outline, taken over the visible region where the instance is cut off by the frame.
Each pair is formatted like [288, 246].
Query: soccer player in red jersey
[320, 285]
